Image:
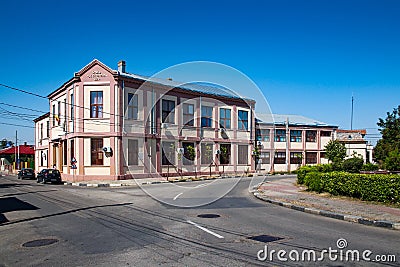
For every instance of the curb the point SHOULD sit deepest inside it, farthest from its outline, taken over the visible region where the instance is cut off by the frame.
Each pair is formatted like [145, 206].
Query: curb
[83, 184]
[333, 215]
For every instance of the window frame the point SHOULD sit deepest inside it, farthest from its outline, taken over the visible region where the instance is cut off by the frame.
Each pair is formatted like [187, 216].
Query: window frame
[132, 107]
[243, 123]
[311, 138]
[243, 160]
[207, 119]
[294, 159]
[280, 135]
[280, 157]
[225, 159]
[168, 113]
[310, 160]
[295, 138]
[204, 160]
[133, 158]
[164, 159]
[263, 137]
[96, 149]
[98, 107]
[187, 116]
[224, 118]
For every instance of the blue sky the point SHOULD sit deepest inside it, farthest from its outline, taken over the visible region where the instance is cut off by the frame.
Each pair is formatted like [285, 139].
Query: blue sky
[308, 57]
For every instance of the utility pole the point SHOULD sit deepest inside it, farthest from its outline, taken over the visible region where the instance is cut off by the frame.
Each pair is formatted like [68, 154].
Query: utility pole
[352, 109]
[16, 143]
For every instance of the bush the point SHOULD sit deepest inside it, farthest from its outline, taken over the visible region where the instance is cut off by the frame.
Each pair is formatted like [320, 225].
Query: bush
[371, 187]
[353, 165]
[302, 171]
[370, 167]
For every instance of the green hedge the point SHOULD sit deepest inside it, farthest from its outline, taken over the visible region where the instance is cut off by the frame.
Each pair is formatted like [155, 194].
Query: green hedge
[302, 171]
[371, 187]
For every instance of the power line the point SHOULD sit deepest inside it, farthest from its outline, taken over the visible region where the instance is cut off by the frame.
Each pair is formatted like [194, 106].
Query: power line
[14, 106]
[22, 91]
[19, 125]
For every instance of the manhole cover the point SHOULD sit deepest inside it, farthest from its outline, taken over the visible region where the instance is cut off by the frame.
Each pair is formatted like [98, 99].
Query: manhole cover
[208, 216]
[39, 243]
[265, 238]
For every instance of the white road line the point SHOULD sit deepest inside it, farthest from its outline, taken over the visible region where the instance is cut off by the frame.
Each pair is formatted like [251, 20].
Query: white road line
[205, 229]
[177, 196]
[201, 185]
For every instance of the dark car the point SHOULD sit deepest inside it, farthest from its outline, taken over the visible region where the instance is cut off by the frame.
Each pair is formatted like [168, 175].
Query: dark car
[49, 175]
[26, 173]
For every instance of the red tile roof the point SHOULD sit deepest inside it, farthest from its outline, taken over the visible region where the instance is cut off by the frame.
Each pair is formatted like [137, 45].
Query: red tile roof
[361, 131]
[23, 149]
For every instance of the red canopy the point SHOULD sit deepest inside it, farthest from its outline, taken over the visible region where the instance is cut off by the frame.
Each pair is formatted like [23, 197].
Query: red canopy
[23, 150]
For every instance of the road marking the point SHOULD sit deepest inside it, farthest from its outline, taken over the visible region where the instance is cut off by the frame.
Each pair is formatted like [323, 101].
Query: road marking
[201, 185]
[205, 229]
[177, 196]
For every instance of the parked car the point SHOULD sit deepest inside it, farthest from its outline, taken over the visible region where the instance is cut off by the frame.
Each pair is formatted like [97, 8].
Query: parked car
[49, 175]
[26, 173]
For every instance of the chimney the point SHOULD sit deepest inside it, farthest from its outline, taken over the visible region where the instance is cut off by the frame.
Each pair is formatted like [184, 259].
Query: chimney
[121, 66]
[24, 143]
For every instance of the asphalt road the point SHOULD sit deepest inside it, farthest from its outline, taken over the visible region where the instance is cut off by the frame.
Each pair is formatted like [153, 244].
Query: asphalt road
[127, 227]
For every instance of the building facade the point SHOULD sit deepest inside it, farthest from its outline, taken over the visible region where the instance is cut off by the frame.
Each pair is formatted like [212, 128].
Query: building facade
[286, 142]
[107, 124]
[355, 144]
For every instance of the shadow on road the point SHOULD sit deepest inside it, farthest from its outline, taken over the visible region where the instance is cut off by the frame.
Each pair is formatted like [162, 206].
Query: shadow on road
[9, 204]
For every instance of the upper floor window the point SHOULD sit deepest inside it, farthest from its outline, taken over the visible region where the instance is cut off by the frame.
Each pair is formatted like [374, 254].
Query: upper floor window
[262, 135]
[72, 107]
[41, 131]
[311, 136]
[295, 136]
[168, 111]
[206, 116]
[225, 118]
[188, 114]
[280, 135]
[48, 128]
[133, 107]
[59, 112]
[243, 120]
[96, 104]
[326, 133]
[54, 115]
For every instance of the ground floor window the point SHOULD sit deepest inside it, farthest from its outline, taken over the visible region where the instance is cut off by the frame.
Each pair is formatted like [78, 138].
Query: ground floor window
[133, 152]
[168, 153]
[72, 150]
[42, 158]
[206, 153]
[296, 157]
[265, 157]
[65, 152]
[189, 153]
[311, 158]
[243, 154]
[280, 158]
[96, 145]
[225, 154]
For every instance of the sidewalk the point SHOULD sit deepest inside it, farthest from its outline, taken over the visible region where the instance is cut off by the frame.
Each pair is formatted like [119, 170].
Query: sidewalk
[287, 193]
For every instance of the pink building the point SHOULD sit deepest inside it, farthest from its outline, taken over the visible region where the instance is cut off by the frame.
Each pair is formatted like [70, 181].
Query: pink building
[107, 124]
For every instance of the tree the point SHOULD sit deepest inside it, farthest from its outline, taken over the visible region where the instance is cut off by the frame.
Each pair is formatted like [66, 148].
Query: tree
[5, 143]
[390, 130]
[335, 151]
[392, 161]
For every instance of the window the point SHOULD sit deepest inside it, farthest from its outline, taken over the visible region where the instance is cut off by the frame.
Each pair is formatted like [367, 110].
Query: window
[225, 118]
[265, 157]
[54, 115]
[206, 116]
[225, 154]
[72, 111]
[322, 155]
[243, 120]
[243, 153]
[133, 107]
[96, 104]
[188, 114]
[59, 112]
[72, 149]
[168, 111]
[296, 157]
[48, 128]
[311, 136]
[311, 157]
[262, 135]
[65, 111]
[65, 152]
[133, 152]
[189, 153]
[280, 158]
[97, 151]
[41, 131]
[280, 135]
[168, 153]
[326, 133]
[295, 136]
[41, 158]
[206, 153]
